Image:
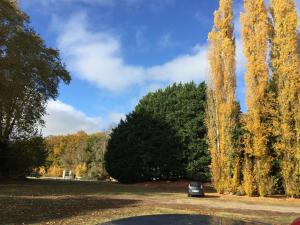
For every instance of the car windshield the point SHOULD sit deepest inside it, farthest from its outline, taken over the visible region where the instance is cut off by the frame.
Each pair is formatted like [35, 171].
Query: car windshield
[195, 184]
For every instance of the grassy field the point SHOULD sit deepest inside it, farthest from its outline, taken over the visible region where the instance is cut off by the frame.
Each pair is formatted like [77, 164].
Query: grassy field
[63, 202]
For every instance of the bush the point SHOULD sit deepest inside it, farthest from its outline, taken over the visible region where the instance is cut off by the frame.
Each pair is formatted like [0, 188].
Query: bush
[21, 157]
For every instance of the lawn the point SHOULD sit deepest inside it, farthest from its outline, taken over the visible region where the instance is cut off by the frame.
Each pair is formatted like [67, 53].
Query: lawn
[63, 202]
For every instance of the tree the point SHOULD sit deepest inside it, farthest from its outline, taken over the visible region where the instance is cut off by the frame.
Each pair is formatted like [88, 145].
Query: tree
[222, 108]
[96, 147]
[28, 79]
[80, 152]
[177, 113]
[258, 120]
[286, 78]
[182, 107]
[23, 156]
[143, 148]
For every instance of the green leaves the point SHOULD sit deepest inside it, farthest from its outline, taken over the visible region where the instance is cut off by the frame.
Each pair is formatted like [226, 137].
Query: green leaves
[30, 74]
[164, 138]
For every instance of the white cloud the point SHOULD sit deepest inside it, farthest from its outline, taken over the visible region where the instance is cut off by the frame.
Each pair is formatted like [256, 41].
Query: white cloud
[96, 57]
[65, 119]
[115, 117]
[185, 68]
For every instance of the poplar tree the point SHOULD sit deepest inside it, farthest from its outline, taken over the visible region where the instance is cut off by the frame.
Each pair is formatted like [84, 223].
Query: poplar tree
[255, 32]
[222, 107]
[286, 77]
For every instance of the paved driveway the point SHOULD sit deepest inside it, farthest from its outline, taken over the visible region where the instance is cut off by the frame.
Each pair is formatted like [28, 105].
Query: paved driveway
[178, 220]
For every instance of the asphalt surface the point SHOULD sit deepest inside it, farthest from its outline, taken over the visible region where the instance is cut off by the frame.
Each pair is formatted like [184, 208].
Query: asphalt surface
[178, 220]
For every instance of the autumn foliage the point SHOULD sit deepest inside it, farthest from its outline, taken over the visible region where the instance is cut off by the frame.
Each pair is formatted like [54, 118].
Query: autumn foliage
[286, 78]
[263, 155]
[81, 153]
[222, 108]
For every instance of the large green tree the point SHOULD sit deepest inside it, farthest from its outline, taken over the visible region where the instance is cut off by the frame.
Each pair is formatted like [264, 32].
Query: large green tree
[30, 74]
[175, 116]
[143, 148]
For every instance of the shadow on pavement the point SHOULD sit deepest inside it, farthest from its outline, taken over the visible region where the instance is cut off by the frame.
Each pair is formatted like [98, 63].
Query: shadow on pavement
[179, 220]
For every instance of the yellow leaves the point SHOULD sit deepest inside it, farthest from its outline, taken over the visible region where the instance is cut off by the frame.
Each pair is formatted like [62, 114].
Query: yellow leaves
[285, 68]
[42, 171]
[273, 96]
[221, 99]
[80, 170]
[54, 171]
[255, 34]
[248, 184]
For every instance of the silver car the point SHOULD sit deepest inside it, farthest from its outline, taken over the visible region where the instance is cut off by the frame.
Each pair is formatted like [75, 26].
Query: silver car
[195, 189]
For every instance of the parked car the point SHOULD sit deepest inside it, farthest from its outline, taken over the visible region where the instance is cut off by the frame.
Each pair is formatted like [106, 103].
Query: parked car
[195, 189]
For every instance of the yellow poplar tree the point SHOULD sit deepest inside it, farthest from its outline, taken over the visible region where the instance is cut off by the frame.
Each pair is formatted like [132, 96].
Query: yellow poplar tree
[222, 106]
[286, 76]
[255, 33]
[13, 2]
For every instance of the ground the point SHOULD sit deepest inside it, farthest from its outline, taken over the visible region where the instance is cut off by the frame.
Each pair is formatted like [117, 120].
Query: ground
[69, 202]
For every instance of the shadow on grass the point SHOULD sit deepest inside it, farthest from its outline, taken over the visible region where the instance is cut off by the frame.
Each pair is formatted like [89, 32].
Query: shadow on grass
[62, 188]
[23, 210]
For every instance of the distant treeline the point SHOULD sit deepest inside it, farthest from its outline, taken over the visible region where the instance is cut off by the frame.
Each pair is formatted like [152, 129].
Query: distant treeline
[81, 153]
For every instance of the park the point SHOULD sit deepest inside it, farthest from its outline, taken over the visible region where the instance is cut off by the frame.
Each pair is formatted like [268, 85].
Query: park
[79, 202]
[149, 112]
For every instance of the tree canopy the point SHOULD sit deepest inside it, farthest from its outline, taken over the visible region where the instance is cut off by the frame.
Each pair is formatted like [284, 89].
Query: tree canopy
[30, 74]
[163, 138]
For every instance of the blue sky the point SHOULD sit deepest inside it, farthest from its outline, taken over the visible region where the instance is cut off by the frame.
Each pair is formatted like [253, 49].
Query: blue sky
[119, 50]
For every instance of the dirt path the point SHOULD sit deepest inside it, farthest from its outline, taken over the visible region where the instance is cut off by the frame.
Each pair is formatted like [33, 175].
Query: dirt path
[225, 202]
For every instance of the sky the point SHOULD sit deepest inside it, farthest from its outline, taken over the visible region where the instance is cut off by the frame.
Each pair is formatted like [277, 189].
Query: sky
[119, 50]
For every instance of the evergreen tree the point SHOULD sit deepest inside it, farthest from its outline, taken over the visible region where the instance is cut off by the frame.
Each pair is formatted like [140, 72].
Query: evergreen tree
[163, 138]
[221, 120]
[286, 78]
[255, 34]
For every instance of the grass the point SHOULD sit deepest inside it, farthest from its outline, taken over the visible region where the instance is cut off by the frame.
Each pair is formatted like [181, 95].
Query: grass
[63, 202]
